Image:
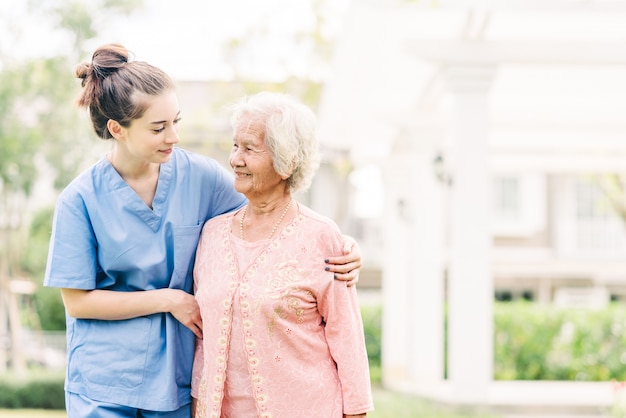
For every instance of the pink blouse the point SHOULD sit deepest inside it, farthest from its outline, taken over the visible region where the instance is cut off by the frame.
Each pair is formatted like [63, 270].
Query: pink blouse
[282, 338]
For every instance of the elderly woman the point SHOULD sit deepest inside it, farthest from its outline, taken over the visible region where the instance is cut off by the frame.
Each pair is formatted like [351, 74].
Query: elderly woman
[282, 339]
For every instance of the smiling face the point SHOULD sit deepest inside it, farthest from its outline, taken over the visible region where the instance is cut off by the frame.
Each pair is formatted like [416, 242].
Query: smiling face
[252, 162]
[152, 137]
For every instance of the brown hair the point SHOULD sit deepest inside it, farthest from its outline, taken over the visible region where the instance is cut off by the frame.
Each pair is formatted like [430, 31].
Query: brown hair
[113, 87]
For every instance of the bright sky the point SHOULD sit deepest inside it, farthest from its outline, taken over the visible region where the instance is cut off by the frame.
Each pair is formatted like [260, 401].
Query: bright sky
[186, 37]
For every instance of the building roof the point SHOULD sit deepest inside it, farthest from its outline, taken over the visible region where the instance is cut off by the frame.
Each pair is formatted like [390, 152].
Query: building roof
[559, 80]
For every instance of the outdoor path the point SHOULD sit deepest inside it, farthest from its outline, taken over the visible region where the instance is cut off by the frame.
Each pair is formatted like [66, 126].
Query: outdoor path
[552, 416]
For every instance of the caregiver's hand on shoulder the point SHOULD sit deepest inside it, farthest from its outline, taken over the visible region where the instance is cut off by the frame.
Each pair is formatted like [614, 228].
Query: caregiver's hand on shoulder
[347, 266]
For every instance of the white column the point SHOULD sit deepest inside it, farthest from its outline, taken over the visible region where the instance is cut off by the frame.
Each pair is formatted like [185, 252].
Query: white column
[395, 272]
[426, 284]
[413, 265]
[470, 284]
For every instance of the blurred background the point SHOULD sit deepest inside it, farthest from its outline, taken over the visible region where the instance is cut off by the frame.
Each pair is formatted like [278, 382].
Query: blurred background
[475, 149]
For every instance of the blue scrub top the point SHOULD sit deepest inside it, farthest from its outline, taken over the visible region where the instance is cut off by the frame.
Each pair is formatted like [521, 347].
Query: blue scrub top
[105, 237]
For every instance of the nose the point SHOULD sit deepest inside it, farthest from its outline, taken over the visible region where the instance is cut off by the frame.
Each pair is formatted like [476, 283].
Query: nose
[235, 159]
[232, 159]
[172, 135]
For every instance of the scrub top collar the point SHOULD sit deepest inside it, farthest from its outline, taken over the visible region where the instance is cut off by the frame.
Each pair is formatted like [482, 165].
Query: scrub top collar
[152, 217]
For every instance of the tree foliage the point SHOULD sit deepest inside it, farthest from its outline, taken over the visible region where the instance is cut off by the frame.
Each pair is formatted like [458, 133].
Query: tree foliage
[613, 186]
[311, 38]
[42, 136]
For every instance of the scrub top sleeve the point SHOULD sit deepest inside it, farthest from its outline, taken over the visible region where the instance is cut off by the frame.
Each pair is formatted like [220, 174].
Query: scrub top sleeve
[225, 197]
[72, 252]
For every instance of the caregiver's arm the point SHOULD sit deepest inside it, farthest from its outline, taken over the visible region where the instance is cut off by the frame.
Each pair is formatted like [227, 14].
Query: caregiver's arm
[113, 305]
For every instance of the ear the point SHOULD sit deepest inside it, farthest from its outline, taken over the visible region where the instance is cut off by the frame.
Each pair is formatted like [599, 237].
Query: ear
[291, 170]
[117, 131]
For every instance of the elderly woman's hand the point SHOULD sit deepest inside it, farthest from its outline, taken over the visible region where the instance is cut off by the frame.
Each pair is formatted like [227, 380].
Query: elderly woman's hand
[347, 266]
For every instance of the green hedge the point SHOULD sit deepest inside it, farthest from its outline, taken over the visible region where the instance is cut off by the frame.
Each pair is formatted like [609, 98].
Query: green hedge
[372, 329]
[36, 392]
[534, 342]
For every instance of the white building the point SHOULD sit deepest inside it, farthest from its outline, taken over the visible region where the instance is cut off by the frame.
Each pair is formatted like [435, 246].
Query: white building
[489, 124]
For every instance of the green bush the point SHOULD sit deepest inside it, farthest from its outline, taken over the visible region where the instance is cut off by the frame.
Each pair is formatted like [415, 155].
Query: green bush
[47, 301]
[50, 309]
[9, 396]
[34, 258]
[372, 329]
[534, 342]
[33, 392]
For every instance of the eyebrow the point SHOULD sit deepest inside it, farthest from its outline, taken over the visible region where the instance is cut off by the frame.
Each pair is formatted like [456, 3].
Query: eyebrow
[160, 122]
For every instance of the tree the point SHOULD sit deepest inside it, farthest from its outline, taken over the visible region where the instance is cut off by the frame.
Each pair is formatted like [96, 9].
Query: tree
[41, 135]
[20, 140]
[305, 48]
[613, 186]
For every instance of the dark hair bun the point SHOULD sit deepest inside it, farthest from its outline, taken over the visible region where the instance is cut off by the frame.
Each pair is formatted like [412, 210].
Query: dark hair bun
[108, 59]
[105, 60]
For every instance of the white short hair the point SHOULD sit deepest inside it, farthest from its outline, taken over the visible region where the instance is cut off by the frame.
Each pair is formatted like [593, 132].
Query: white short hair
[290, 134]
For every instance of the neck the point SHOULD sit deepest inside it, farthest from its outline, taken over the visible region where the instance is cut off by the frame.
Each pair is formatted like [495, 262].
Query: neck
[266, 207]
[258, 222]
[129, 168]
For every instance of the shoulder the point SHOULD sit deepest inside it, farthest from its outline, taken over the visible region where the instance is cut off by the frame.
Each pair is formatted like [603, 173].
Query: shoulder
[218, 220]
[216, 226]
[318, 219]
[88, 184]
[322, 228]
[182, 158]
[200, 167]
[207, 180]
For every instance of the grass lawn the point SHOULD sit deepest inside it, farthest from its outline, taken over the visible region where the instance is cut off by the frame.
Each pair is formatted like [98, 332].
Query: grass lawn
[388, 405]
[31, 413]
[394, 405]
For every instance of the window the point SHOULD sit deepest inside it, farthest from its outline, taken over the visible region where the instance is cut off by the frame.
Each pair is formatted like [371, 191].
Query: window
[507, 197]
[519, 204]
[590, 202]
[598, 226]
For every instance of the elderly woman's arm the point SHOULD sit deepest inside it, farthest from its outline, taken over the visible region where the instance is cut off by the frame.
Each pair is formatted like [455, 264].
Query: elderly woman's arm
[347, 266]
[338, 305]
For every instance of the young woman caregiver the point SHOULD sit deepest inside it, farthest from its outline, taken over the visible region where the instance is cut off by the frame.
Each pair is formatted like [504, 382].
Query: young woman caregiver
[123, 242]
